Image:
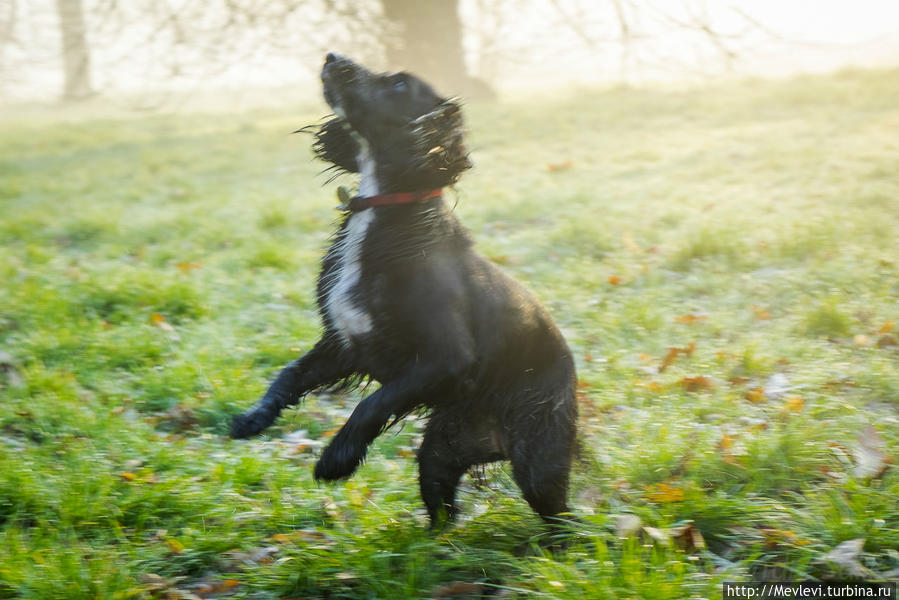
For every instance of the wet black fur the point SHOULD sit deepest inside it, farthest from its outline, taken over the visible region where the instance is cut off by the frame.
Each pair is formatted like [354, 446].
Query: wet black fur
[451, 333]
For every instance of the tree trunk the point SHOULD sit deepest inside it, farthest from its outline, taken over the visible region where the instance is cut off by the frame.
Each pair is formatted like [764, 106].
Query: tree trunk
[425, 37]
[75, 52]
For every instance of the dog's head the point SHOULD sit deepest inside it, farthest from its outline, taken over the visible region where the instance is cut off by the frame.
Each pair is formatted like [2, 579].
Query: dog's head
[414, 135]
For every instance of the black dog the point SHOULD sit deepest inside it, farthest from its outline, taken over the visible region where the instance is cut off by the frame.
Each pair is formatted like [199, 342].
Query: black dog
[407, 301]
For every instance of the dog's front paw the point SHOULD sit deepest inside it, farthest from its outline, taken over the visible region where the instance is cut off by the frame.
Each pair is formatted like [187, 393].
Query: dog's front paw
[338, 461]
[247, 424]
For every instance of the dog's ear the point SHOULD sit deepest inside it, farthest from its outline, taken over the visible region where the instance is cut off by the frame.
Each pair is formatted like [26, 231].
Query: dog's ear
[439, 143]
[334, 143]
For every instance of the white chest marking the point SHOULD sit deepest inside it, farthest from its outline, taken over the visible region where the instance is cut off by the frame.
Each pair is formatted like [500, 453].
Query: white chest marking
[347, 316]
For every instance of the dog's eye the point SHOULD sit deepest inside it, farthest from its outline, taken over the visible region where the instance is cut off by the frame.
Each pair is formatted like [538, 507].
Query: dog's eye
[399, 85]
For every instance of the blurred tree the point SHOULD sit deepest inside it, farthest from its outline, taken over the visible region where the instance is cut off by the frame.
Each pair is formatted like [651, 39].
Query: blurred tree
[75, 52]
[425, 36]
[150, 46]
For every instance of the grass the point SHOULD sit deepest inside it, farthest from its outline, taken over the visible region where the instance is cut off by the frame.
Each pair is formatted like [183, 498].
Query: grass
[158, 270]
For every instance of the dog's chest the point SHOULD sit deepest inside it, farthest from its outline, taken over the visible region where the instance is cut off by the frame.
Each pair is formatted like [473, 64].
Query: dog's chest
[343, 302]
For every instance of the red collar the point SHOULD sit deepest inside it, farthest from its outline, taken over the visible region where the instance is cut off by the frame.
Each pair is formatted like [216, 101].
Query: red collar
[358, 203]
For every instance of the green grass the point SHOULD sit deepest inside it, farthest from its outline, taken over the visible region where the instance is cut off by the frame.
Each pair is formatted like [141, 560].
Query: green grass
[158, 270]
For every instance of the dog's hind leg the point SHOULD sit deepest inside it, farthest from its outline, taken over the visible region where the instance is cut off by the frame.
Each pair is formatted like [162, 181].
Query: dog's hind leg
[447, 451]
[323, 365]
[541, 466]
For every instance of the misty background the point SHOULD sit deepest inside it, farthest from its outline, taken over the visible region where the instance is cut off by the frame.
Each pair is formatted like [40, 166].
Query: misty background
[154, 53]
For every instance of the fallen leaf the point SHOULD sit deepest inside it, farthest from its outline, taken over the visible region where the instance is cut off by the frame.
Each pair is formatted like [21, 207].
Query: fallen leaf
[186, 266]
[225, 585]
[687, 537]
[780, 537]
[793, 404]
[672, 354]
[887, 341]
[760, 313]
[725, 443]
[885, 328]
[458, 589]
[615, 279]
[697, 384]
[755, 395]
[174, 545]
[159, 321]
[871, 459]
[690, 318]
[661, 493]
[861, 339]
[311, 535]
[557, 167]
[178, 418]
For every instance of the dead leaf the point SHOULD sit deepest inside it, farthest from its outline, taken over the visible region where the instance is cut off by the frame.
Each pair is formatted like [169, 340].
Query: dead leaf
[885, 328]
[225, 585]
[760, 313]
[725, 443]
[755, 395]
[186, 266]
[672, 354]
[690, 318]
[156, 584]
[557, 167]
[871, 459]
[887, 341]
[697, 384]
[775, 538]
[861, 339]
[311, 536]
[458, 589]
[687, 537]
[661, 493]
[159, 321]
[178, 418]
[615, 279]
[174, 545]
[793, 404]
[654, 386]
